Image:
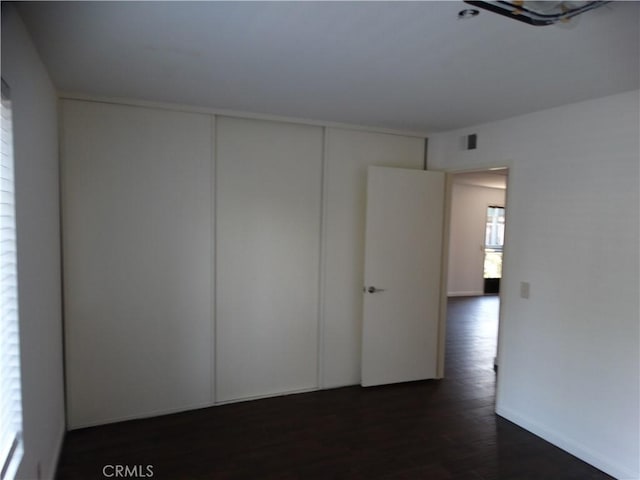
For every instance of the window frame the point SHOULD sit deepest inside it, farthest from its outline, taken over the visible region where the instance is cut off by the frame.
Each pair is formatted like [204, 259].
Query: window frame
[11, 442]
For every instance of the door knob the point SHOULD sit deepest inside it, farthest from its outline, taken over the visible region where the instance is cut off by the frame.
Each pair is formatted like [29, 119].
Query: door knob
[374, 289]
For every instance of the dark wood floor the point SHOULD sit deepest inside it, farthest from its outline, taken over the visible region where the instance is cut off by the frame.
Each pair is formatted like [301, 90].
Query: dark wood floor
[432, 430]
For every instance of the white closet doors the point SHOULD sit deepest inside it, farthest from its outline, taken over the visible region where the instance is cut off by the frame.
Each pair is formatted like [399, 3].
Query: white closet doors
[137, 231]
[268, 217]
[142, 219]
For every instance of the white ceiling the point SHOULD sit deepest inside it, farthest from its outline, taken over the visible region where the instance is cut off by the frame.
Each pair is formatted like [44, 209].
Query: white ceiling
[491, 179]
[402, 65]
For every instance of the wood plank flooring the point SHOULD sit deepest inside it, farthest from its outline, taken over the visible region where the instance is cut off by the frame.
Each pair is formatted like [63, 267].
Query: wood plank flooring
[437, 429]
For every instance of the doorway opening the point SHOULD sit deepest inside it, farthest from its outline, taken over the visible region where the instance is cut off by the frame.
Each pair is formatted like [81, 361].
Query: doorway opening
[477, 222]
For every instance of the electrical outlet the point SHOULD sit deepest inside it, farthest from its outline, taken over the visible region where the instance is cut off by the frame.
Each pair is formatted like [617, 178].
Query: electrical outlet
[524, 289]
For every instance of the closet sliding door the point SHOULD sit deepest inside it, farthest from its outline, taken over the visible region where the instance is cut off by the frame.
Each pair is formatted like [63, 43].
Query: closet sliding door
[268, 218]
[137, 239]
[348, 154]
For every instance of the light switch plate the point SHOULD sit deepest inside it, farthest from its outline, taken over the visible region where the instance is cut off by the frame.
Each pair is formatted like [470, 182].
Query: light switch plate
[524, 289]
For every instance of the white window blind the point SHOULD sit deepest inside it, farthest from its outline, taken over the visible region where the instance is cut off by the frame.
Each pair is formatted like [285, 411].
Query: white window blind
[10, 389]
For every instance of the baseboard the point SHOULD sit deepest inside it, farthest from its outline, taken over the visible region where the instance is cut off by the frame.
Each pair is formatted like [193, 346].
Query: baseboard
[268, 395]
[139, 416]
[53, 464]
[569, 445]
[170, 411]
[465, 294]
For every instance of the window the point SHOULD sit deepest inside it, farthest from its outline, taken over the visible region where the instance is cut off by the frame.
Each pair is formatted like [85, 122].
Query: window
[10, 394]
[494, 236]
[493, 242]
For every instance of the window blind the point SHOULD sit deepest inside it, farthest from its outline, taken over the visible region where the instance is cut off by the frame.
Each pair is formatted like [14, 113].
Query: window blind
[10, 388]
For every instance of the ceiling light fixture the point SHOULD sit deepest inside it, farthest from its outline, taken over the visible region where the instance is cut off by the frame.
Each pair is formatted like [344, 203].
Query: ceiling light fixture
[468, 13]
[538, 13]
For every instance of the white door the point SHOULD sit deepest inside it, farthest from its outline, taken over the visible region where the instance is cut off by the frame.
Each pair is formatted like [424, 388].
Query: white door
[268, 219]
[403, 260]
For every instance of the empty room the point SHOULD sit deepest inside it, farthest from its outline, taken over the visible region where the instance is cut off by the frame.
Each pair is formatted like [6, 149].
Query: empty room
[232, 240]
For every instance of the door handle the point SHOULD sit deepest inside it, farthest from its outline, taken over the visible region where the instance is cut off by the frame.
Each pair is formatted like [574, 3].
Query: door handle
[373, 289]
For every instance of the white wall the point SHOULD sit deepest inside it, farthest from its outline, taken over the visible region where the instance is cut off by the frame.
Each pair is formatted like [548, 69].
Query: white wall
[569, 355]
[467, 230]
[37, 210]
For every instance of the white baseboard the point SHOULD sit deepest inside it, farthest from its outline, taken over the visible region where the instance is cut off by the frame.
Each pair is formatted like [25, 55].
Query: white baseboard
[138, 416]
[569, 445]
[465, 294]
[52, 470]
[268, 395]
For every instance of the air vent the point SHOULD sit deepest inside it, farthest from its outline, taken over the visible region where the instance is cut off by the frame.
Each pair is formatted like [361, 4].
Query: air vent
[472, 141]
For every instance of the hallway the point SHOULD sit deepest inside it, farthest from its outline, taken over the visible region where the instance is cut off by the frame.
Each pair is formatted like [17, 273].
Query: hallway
[472, 333]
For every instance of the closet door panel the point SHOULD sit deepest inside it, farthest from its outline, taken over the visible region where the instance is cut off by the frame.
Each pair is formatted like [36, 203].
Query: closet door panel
[348, 154]
[137, 239]
[269, 179]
